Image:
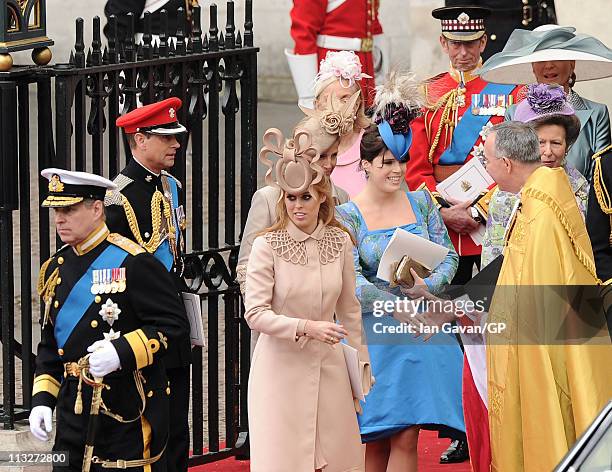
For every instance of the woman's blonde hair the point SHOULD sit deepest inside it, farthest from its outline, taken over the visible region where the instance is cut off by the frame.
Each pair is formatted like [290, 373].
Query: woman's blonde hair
[327, 212]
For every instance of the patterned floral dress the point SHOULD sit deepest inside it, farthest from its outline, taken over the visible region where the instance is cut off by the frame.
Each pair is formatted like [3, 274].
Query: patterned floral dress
[500, 210]
[417, 383]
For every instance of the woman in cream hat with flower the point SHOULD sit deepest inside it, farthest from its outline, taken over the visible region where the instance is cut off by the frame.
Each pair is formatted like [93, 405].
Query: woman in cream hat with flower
[339, 76]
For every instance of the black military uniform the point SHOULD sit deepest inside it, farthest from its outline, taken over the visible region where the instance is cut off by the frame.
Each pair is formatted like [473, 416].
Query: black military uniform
[146, 208]
[108, 288]
[120, 8]
[599, 224]
[508, 15]
[599, 214]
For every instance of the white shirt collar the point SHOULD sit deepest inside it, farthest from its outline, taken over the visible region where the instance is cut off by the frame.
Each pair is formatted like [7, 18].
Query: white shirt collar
[145, 167]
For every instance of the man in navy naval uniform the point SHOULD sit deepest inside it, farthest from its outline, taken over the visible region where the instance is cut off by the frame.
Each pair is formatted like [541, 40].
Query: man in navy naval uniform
[107, 297]
[146, 207]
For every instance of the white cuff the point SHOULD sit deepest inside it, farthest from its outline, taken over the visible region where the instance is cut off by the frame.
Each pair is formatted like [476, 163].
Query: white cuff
[303, 69]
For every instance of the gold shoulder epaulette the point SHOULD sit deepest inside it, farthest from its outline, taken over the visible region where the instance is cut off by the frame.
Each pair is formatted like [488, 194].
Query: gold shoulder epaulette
[601, 152]
[124, 243]
[168, 174]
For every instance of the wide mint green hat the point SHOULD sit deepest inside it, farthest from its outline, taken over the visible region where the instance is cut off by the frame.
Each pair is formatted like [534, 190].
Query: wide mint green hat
[512, 65]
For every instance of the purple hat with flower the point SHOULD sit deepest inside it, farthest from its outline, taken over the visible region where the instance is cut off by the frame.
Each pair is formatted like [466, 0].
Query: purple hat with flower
[542, 100]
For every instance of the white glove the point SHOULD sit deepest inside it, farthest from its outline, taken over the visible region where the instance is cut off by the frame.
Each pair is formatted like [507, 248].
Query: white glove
[39, 416]
[104, 358]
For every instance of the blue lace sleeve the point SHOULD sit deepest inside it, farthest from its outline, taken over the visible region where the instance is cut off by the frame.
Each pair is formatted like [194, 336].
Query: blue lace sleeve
[368, 293]
[444, 273]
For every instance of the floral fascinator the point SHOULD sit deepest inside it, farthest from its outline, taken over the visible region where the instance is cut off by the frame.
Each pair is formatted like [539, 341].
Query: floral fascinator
[337, 117]
[397, 103]
[296, 168]
[343, 66]
[542, 100]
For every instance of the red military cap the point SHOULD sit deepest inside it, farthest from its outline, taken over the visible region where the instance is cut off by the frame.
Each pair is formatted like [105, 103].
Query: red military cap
[156, 118]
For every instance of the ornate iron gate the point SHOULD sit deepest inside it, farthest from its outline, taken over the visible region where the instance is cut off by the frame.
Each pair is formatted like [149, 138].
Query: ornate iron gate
[215, 74]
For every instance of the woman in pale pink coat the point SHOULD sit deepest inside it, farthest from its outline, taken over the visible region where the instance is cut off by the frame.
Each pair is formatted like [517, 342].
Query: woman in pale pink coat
[300, 277]
[339, 74]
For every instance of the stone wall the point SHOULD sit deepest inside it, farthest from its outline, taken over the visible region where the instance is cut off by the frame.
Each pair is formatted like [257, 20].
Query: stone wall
[412, 32]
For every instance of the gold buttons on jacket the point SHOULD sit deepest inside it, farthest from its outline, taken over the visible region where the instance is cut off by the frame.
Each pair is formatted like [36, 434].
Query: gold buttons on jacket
[58, 281]
[493, 37]
[94, 323]
[60, 260]
[60, 352]
[98, 299]
[56, 304]
[150, 393]
[168, 390]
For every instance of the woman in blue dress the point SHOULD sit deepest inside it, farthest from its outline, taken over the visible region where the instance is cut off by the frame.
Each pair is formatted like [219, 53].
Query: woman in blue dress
[417, 384]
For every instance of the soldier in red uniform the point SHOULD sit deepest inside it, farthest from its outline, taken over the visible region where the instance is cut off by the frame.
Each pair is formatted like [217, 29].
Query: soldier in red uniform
[450, 132]
[318, 26]
[460, 107]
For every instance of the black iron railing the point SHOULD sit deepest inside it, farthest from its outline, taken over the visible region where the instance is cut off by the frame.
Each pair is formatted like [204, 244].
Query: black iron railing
[215, 74]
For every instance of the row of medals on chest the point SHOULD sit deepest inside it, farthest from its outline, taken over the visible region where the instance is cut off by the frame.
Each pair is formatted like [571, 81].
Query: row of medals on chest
[108, 281]
[485, 104]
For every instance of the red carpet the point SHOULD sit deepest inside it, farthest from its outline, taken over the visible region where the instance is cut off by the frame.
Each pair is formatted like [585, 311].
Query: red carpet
[430, 448]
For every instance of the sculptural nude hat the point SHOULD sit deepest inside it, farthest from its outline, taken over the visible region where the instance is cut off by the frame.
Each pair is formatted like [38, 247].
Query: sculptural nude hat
[296, 167]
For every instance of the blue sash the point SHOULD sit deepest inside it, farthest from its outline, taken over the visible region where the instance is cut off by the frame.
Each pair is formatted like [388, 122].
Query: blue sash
[175, 204]
[80, 297]
[164, 255]
[468, 129]
[163, 252]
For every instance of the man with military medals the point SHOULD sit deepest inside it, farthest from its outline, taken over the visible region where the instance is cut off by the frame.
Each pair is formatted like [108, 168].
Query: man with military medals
[111, 313]
[146, 207]
[460, 108]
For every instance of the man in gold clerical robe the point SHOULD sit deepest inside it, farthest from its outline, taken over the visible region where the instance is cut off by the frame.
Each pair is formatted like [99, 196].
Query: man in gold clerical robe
[549, 372]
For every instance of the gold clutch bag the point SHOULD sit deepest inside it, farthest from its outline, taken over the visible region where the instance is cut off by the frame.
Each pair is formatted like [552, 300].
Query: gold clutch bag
[400, 272]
